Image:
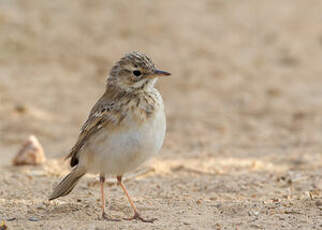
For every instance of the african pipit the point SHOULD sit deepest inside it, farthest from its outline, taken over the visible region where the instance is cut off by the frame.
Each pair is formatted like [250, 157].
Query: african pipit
[124, 128]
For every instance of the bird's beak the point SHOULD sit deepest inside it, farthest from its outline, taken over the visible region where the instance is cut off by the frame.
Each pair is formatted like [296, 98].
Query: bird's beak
[158, 73]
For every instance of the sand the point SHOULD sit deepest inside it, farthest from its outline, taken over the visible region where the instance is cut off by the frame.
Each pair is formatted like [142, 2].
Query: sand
[244, 111]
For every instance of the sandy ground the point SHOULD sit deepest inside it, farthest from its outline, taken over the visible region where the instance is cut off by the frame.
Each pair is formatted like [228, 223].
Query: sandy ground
[244, 111]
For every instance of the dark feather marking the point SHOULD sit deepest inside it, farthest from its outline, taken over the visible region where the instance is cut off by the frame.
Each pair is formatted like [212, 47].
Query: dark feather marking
[74, 161]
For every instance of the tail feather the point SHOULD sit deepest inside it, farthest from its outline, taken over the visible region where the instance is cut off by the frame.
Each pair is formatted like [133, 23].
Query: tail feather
[68, 183]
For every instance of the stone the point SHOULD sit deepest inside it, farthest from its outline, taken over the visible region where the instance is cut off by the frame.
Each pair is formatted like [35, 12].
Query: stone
[31, 153]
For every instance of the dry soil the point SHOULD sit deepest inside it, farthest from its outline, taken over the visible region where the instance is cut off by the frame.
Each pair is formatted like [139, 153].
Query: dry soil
[244, 111]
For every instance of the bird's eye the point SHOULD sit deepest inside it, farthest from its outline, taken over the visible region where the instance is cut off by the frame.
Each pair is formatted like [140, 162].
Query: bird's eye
[137, 73]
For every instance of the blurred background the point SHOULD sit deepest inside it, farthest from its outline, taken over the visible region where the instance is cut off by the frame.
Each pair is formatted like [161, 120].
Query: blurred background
[243, 102]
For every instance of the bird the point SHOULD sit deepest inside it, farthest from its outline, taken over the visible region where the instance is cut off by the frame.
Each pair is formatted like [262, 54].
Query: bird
[125, 127]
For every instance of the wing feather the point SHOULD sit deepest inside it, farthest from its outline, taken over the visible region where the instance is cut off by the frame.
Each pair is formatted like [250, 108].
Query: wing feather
[101, 115]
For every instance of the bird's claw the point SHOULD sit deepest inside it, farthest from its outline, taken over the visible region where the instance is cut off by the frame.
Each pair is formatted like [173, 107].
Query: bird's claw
[138, 217]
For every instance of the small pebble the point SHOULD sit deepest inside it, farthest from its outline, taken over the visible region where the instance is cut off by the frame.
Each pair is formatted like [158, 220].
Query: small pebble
[318, 203]
[20, 108]
[31, 153]
[33, 219]
[11, 219]
[3, 226]
[253, 213]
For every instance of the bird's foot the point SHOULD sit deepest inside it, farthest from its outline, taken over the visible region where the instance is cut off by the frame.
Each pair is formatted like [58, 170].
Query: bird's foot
[105, 217]
[138, 217]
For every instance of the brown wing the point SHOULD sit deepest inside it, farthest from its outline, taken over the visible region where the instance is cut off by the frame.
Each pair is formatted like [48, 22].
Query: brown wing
[102, 114]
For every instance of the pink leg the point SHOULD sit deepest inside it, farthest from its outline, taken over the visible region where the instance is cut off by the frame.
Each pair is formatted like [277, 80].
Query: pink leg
[136, 213]
[104, 216]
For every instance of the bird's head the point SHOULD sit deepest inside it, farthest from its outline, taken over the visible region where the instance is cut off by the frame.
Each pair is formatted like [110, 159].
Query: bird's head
[134, 71]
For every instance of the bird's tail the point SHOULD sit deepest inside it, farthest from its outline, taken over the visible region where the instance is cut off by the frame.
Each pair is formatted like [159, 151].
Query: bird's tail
[68, 183]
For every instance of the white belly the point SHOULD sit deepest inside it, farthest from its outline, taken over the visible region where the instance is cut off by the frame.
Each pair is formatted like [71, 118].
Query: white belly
[118, 152]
